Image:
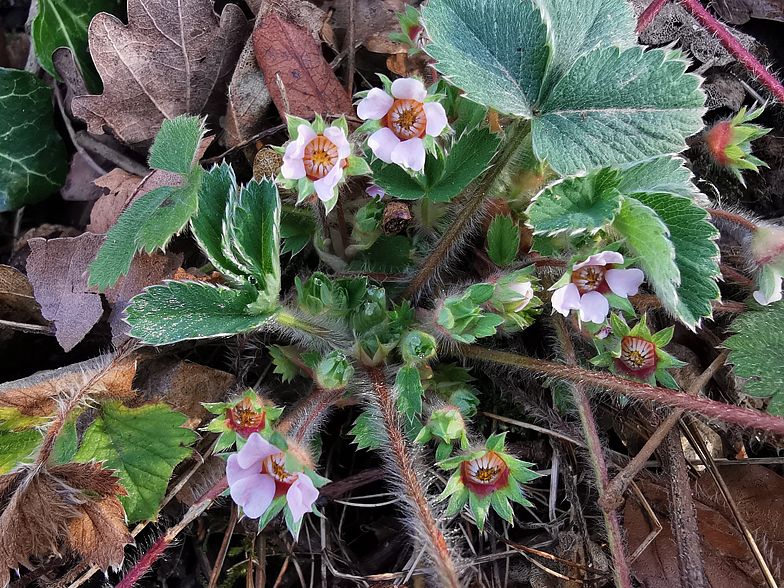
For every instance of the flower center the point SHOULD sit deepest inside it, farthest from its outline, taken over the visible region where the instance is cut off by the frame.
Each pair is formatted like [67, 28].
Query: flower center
[638, 353]
[407, 119]
[320, 157]
[244, 416]
[275, 466]
[590, 278]
[486, 469]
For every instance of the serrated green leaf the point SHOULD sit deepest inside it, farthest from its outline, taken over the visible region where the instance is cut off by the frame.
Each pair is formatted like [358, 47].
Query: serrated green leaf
[390, 254]
[177, 311]
[409, 388]
[147, 225]
[577, 29]
[496, 51]
[16, 447]
[616, 107]
[364, 432]
[217, 187]
[175, 145]
[143, 445]
[253, 222]
[297, 229]
[65, 24]
[503, 240]
[758, 353]
[33, 156]
[647, 238]
[667, 175]
[287, 369]
[578, 204]
[67, 442]
[467, 159]
[696, 253]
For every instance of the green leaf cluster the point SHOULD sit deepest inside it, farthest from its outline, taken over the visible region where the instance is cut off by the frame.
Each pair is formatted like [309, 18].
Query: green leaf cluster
[463, 319]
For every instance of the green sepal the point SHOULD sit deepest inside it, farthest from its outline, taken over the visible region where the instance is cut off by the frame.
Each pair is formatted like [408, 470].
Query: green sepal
[357, 166]
[501, 505]
[661, 338]
[480, 507]
[443, 450]
[278, 504]
[293, 122]
[457, 502]
[619, 327]
[496, 443]
[666, 379]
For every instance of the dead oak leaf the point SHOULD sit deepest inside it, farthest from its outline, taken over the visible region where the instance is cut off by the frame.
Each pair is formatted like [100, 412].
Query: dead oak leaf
[171, 59]
[299, 79]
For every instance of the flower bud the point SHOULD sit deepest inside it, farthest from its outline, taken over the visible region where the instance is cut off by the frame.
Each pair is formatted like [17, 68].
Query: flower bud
[334, 371]
[418, 347]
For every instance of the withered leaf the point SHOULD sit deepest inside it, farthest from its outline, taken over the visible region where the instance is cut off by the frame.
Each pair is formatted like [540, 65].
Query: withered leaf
[91, 477]
[57, 269]
[171, 59]
[35, 396]
[16, 297]
[293, 65]
[100, 534]
[122, 187]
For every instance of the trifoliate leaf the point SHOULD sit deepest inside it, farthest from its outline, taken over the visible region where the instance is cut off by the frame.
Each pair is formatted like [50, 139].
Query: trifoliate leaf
[409, 388]
[65, 24]
[15, 447]
[695, 254]
[647, 237]
[667, 175]
[503, 240]
[33, 155]
[577, 204]
[218, 186]
[758, 354]
[616, 107]
[192, 310]
[497, 52]
[143, 445]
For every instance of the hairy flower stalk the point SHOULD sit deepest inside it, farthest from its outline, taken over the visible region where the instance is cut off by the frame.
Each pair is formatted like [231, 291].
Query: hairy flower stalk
[400, 460]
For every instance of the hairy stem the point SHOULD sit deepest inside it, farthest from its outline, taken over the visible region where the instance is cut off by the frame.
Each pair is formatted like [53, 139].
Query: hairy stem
[710, 408]
[402, 464]
[474, 201]
[733, 218]
[308, 414]
[614, 537]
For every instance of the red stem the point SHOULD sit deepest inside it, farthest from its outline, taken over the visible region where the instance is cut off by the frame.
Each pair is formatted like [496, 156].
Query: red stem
[738, 51]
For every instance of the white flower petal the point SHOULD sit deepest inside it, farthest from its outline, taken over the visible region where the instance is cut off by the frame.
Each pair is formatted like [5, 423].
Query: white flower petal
[775, 297]
[594, 308]
[410, 88]
[293, 167]
[436, 118]
[375, 105]
[256, 449]
[338, 137]
[325, 187]
[624, 282]
[602, 258]
[301, 496]
[254, 494]
[382, 142]
[566, 298]
[410, 154]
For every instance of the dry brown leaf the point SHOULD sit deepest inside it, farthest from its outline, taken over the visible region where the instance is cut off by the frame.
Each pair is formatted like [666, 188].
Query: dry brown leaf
[79, 184]
[16, 297]
[57, 269]
[249, 100]
[372, 19]
[171, 59]
[122, 187]
[299, 79]
[35, 395]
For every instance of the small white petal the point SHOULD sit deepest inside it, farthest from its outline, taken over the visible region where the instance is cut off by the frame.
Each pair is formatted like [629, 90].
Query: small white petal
[410, 88]
[602, 258]
[338, 137]
[293, 168]
[382, 142]
[566, 298]
[594, 308]
[325, 187]
[436, 118]
[375, 105]
[255, 450]
[760, 298]
[410, 154]
[624, 282]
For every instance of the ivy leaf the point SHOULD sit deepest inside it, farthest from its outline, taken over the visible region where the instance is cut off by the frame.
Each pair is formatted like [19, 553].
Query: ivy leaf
[252, 235]
[409, 387]
[143, 445]
[365, 435]
[617, 107]
[497, 52]
[217, 186]
[695, 254]
[65, 24]
[577, 204]
[503, 240]
[33, 154]
[647, 238]
[192, 310]
[16, 446]
[758, 353]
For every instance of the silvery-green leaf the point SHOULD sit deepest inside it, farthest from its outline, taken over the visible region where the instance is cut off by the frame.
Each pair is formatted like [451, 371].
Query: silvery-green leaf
[175, 145]
[666, 174]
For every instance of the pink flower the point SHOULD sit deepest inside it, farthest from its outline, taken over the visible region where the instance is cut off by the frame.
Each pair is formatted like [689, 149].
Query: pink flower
[257, 474]
[638, 358]
[320, 158]
[590, 281]
[405, 118]
[526, 293]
